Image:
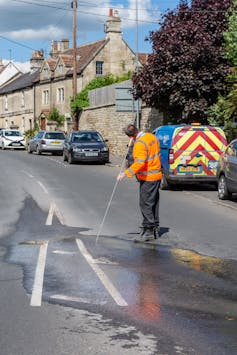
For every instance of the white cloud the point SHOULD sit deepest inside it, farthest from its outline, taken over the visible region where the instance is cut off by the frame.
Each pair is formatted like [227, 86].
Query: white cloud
[37, 23]
[36, 34]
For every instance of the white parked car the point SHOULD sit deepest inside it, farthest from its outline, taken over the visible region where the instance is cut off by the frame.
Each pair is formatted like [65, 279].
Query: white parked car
[12, 139]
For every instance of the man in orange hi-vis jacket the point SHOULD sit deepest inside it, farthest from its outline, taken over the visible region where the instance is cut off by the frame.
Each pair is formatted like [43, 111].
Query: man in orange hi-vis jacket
[147, 168]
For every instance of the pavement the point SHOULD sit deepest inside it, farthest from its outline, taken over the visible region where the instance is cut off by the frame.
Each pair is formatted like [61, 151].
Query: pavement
[116, 160]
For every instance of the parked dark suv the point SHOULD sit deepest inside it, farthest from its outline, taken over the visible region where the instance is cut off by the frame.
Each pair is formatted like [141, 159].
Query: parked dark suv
[227, 172]
[85, 146]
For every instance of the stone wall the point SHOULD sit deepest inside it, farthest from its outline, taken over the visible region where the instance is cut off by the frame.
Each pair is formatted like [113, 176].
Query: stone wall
[110, 124]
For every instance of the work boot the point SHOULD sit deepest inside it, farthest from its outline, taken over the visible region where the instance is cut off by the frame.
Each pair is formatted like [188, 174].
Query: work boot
[145, 235]
[156, 232]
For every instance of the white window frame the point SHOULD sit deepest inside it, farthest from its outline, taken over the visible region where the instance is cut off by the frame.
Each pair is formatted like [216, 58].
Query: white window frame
[60, 95]
[45, 97]
[45, 72]
[60, 68]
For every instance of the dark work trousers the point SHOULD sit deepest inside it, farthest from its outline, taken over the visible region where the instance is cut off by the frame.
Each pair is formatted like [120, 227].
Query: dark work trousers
[149, 203]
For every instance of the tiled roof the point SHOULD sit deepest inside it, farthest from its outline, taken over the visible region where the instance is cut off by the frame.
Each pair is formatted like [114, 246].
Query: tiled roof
[85, 54]
[22, 82]
[143, 58]
[51, 63]
[67, 60]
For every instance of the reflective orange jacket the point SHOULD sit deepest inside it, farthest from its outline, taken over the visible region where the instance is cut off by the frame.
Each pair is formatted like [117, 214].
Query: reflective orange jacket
[146, 154]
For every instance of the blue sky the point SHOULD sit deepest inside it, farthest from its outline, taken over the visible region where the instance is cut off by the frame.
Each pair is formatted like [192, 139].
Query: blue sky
[27, 25]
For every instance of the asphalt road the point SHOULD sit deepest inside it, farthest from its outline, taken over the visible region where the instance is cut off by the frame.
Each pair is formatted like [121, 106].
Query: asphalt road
[65, 289]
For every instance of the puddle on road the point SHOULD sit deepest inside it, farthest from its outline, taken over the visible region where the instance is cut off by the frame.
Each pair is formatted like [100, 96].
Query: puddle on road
[221, 268]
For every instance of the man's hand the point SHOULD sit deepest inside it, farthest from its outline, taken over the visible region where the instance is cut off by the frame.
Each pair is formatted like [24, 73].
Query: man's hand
[121, 176]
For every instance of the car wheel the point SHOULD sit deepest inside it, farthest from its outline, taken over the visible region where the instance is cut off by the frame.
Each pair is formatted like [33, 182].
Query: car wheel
[29, 150]
[164, 184]
[38, 151]
[223, 192]
[70, 158]
[64, 156]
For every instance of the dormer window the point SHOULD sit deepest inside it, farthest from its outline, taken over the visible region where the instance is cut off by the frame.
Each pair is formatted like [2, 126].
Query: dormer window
[46, 72]
[60, 69]
[99, 68]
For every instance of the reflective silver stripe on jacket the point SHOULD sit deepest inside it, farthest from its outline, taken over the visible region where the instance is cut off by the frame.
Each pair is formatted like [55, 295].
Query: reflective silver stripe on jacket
[147, 159]
[140, 160]
[154, 156]
[149, 172]
[131, 172]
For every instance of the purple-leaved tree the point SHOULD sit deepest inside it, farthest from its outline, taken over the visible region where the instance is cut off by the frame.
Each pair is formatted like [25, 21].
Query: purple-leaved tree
[187, 67]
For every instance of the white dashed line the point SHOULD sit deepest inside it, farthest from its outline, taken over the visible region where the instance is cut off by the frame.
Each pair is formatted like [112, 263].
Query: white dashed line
[41, 185]
[28, 174]
[101, 275]
[62, 252]
[36, 297]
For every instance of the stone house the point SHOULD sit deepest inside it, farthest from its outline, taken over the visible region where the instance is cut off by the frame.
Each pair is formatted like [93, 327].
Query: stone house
[53, 87]
[17, 102]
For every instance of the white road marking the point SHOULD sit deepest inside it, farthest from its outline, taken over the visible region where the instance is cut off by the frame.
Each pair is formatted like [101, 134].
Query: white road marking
[54, 209]
[75, 299]
[28, 174]
[43, 187]
[101, 275]
[36, 297]
[64, 252]
[49, 219]
[59, 215]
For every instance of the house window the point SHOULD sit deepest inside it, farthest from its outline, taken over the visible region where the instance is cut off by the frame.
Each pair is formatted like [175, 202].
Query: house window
[60, 94]
[99, 68]
[46, 72]
[60, 68]
[6, 103]
[45, 97]
[22, 99]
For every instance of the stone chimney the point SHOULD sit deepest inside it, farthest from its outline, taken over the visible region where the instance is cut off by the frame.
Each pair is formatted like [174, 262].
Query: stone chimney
[65, 44]
[36, 59]
[113, 24]
[55, 49]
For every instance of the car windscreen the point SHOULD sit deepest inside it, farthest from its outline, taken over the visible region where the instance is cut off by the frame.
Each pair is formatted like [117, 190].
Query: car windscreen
[13, 134]
[86, 138]
[55, 135]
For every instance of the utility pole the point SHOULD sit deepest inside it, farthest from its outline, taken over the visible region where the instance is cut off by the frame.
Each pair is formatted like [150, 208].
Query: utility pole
[74, 7]
[137, 101]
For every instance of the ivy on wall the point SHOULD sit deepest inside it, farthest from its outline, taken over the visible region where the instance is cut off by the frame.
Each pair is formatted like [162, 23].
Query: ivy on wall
[82, 99]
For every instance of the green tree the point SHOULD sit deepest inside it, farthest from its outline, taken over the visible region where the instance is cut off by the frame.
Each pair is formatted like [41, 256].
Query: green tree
[224, 111]
[82, 98]
[186, 71]
[54, 115]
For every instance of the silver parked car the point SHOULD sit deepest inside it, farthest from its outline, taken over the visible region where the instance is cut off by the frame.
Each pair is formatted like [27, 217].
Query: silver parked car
[227, 172]
[47, 141]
